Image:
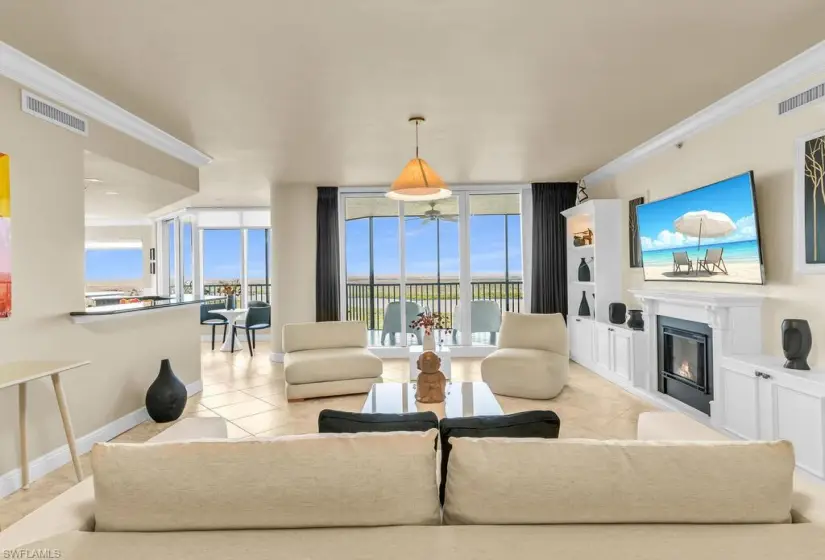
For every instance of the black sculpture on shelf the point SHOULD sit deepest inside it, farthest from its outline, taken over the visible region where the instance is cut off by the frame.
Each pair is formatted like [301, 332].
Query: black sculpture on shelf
[634, 320]
[166, 396]
[584, 308]
[584, 271]
[796, 343]
[617, 313]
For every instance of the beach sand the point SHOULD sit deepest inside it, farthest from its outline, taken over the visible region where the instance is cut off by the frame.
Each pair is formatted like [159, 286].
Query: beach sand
[738, 272]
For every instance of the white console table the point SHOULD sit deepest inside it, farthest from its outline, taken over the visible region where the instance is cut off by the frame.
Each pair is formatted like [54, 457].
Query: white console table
[19, 374]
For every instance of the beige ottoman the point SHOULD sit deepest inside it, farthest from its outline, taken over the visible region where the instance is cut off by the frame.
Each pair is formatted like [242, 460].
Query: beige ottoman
[531, 361]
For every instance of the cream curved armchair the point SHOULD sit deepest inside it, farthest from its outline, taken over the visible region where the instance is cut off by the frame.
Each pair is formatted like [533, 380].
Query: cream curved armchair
[532, 360]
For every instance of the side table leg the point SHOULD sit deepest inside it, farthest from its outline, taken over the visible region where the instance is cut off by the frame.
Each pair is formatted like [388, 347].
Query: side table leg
[24, 446]
[67, 424]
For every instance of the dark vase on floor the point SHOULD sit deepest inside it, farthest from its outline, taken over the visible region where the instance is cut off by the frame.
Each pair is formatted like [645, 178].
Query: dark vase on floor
[634, 320]
[796, 343]
[230, 301]
[166, 396]
[584, 271]
[584, 308]
[617, 313]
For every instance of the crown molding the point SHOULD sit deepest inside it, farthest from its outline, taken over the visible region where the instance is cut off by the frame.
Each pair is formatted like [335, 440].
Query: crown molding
[759, 90]
[35, 75]
[100, 221]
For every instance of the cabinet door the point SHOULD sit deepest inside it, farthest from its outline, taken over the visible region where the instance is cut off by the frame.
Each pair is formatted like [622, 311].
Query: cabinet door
[603, 347]
[621, 352]
[581, 340]
[740, 394]
[796, 414]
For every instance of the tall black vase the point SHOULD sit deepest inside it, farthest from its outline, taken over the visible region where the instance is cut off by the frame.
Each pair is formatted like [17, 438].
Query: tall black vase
[584, 308]
[584, 271]
[796, 343]
[166, 396]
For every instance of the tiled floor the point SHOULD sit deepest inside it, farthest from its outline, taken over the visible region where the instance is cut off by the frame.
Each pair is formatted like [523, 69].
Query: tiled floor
[249, 394]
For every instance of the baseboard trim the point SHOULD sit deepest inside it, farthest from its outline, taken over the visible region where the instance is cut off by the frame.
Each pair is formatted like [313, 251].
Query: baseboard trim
[277, 357]
[56, 458]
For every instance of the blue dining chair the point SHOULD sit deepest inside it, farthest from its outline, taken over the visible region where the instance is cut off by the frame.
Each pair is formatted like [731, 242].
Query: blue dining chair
[257, 318]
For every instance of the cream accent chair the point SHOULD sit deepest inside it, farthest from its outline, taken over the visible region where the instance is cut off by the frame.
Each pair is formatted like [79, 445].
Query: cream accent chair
[532, 357]
[328, 358]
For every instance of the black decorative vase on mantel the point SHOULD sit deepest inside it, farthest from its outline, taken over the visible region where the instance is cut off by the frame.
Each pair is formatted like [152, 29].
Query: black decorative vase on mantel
[584, 308]
[796, 343]
[584, 271]
[634, 320]
[166, 396]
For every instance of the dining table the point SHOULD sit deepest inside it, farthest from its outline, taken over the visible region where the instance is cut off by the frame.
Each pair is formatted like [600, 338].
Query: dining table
[231, 316]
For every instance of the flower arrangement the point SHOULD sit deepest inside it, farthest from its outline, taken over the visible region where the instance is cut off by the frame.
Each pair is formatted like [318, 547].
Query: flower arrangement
[430, 321]
[230, 288]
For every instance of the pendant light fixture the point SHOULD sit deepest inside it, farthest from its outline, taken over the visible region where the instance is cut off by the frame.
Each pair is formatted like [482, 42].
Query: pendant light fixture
[418, 181]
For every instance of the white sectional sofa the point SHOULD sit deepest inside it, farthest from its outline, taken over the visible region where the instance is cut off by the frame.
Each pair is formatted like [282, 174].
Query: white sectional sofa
[327, 359]
[311, 497]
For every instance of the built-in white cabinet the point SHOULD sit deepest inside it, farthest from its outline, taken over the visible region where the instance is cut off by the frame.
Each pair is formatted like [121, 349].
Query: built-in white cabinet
[618, 351]
[581, 340]
[764, 401]
[604, 358]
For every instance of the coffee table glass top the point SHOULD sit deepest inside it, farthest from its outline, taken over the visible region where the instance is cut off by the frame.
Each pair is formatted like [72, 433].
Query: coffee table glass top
[463, 399]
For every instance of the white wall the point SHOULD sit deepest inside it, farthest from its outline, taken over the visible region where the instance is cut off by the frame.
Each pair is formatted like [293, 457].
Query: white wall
[48, 283]
[760, 140]
[293, 256]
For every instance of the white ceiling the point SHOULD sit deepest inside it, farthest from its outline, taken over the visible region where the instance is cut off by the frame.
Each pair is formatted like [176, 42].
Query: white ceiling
[120, 192]
[318, 92]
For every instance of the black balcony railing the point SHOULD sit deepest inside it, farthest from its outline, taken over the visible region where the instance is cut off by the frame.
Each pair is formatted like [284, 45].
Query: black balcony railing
[367, 302]
[255, 292]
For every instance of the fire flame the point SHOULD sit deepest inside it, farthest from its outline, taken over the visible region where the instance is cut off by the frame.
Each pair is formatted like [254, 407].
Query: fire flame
[685, 371]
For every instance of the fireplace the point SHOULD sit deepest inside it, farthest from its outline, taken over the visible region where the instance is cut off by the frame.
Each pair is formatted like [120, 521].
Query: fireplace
[685, 355]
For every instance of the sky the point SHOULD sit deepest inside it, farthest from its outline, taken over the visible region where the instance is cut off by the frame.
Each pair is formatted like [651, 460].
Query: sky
[222, 251]
[731, 196]
[487, 248]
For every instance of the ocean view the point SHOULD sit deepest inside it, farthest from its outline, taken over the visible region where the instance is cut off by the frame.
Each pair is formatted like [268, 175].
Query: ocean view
[735, 251]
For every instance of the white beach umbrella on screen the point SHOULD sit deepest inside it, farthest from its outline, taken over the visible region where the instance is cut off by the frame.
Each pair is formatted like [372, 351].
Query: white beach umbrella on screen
[704, 223]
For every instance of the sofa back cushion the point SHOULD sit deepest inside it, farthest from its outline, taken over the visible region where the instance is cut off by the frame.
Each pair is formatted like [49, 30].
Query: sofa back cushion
[536, 481]
[329, 334]
[534, 331]
[316, 480]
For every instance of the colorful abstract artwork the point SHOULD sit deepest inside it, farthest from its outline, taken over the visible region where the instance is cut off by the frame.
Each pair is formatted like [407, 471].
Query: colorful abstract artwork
[5, 237]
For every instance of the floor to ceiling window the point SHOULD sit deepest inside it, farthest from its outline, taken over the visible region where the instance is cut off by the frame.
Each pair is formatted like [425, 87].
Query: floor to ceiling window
[257, 265]
[170, 244]
[403, 258]
[222, 263]
[187, 258]
[372, 268]
[115, 267]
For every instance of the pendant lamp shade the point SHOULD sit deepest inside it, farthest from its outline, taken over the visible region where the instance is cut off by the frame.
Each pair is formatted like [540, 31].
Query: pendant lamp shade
[417, 180]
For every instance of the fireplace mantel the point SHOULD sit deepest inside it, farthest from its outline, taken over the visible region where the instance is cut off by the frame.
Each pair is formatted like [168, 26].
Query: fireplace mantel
[736, 320]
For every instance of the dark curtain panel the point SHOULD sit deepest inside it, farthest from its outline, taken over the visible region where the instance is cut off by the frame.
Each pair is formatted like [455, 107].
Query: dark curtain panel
[549, 282]
[633, 233]
[327, 278]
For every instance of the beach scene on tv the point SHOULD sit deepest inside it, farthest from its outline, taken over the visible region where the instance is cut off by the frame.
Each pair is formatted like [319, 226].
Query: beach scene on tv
[705, 235]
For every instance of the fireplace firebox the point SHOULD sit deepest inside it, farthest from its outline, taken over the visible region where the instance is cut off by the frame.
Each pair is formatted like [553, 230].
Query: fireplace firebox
[686, 361]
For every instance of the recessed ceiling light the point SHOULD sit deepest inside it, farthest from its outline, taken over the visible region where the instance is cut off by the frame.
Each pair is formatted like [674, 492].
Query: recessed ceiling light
[88, 180]
[112, 192]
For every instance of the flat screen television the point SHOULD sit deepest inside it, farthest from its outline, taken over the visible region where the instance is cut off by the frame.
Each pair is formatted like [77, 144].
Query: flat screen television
[710, 234]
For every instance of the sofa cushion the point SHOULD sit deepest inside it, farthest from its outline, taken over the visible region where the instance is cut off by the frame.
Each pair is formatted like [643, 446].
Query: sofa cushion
[535, 331]
[531, 424]
[563, 542]
[331, 364]
[327, 334]
[337, 422]
[530, 481]
[315, 480]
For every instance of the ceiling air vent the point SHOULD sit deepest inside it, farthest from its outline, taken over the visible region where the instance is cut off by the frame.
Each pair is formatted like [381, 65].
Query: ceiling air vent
[48, 111]
[797, 101]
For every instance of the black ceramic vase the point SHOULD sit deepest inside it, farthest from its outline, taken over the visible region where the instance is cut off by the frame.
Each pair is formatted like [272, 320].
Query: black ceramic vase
[796, 343]
[617, 313]
[584, 271]
[166, 396]
[634, 320]
[584, 308]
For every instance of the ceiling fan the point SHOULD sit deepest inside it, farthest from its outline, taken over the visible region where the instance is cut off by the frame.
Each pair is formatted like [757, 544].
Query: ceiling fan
[432, 215]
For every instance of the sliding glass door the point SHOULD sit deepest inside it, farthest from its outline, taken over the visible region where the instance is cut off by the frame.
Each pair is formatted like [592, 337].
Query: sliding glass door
[400, 259]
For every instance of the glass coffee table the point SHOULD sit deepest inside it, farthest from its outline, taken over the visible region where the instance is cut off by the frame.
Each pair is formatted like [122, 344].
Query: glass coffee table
[463, 399]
